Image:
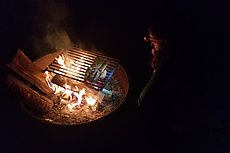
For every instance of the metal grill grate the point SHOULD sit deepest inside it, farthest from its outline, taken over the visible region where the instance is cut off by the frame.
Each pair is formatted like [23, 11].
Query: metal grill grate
[92, 68]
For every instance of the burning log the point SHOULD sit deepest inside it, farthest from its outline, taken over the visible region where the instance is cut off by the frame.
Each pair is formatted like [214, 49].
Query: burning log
[62, 81]
[22, 65]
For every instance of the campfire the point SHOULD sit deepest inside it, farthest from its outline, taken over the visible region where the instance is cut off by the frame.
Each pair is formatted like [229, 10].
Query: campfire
[68, 87]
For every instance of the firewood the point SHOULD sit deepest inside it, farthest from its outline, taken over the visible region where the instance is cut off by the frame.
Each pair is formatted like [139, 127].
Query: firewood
[22, 65]
[46, 60]
[62, 81]
[29, 96]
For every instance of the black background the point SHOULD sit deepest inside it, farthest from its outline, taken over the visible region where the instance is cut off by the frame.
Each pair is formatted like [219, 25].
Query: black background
[188, 108]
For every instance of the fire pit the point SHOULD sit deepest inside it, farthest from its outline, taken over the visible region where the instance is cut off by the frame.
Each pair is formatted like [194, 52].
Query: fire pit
[69, 87]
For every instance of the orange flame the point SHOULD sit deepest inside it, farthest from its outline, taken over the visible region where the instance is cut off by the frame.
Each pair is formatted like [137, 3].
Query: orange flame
[90, 100]
[73, 68]
[61, 61]
[76, 96]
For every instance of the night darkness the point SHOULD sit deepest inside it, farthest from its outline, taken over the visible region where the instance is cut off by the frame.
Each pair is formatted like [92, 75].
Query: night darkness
[187, 109]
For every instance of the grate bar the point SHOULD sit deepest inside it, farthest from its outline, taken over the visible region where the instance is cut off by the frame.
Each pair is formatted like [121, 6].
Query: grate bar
[65, 72]
[80, 62]
[74, 69]
[77, 57]
[94, 54]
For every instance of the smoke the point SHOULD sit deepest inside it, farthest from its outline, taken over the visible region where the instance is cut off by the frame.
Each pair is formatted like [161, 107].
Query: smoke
[51, 22]
[57, 38]
[55, 26]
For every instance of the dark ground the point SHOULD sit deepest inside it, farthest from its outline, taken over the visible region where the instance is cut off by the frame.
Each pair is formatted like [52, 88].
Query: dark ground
[188, 109]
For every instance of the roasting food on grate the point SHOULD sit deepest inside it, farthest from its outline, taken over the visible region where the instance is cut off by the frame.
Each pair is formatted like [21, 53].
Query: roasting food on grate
[92, 68]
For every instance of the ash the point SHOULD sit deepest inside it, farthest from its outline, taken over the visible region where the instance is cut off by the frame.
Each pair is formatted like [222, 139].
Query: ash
[61, 114]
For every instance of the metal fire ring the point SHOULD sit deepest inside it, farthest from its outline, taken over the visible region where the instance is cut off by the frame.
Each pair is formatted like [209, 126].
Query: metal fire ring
[60, 117]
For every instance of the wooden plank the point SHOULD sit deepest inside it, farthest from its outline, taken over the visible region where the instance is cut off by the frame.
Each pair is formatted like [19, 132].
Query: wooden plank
[29, 96]
[46, 60]
[22, 65]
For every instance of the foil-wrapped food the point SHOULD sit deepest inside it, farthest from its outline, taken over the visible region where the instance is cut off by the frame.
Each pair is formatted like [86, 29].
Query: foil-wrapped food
[97, 70]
